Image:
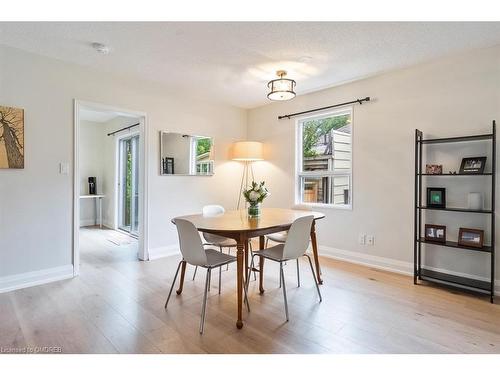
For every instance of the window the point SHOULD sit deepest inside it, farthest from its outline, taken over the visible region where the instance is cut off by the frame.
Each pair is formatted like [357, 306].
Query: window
[324, 159]
[200, 156]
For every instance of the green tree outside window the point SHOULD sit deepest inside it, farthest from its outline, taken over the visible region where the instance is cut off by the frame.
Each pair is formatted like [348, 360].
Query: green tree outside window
[313, 130]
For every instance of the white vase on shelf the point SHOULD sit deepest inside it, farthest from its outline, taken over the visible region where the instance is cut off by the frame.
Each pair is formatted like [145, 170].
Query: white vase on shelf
[475, 201]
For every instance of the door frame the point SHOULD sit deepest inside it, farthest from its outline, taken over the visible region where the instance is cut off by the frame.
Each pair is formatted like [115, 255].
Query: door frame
[143, 240]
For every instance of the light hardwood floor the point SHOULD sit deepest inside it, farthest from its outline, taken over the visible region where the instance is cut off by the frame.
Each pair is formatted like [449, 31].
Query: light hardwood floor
[116, 305]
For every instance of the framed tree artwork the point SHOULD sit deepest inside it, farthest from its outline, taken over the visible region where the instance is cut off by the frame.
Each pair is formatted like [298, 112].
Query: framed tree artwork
[11, 138]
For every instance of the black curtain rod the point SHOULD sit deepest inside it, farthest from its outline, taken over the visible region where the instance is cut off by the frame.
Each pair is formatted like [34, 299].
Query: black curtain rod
[122, 129]
[359, 101]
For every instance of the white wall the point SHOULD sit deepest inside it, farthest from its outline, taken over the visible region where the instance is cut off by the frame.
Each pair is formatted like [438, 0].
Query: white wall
[91, 164]
[450, 97]
[36, 208]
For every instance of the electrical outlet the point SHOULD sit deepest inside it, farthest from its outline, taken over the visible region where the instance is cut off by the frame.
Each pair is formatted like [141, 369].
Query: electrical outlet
[370, 240]
[362, 239]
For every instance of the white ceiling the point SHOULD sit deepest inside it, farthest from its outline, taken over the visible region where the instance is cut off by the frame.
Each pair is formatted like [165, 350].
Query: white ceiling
[232, 62]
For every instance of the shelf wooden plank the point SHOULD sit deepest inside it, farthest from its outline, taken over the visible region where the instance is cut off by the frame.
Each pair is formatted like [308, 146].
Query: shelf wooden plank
[456, 209]
[469, 138]
[484, 249]
[457, 281]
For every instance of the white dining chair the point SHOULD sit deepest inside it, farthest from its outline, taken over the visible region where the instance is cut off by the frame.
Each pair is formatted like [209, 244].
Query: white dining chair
[295, 246]
[280, 237]
[213, 210]
[194, 253]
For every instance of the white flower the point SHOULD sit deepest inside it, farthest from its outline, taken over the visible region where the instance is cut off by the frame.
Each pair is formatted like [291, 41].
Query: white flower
[253, 196]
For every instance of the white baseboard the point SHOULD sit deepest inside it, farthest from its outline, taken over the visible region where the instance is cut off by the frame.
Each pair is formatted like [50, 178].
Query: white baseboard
[25, 280]
[374, 261]
[86, 222]
[108, 225]
[163, 251]
[91, 223]
[388, 264]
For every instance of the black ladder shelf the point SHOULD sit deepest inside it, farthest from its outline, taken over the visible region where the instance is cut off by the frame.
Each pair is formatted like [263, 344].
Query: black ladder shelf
[447, 279]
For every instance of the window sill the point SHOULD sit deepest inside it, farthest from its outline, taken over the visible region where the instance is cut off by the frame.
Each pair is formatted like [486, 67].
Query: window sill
[330, 206]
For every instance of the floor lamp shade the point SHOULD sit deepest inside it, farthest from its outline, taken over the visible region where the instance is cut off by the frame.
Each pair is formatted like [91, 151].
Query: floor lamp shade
[247, 151]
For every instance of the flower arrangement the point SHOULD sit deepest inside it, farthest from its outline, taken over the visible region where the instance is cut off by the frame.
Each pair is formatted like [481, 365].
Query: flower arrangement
[255, 196]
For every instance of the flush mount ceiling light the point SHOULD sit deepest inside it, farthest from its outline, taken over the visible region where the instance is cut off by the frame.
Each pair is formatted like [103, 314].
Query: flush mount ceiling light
[281, 88]
[101, 48]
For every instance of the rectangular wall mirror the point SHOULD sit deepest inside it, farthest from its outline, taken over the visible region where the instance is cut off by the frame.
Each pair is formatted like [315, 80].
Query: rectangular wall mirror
[188, 155]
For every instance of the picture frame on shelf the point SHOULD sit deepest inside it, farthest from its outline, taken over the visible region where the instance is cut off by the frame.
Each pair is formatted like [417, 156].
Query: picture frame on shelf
[436, 197]
[435, 233]
[471, 237]
[473, 165]
[433, 169]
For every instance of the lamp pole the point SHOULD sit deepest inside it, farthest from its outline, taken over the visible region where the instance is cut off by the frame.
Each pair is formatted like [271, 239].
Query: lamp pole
[244, 179]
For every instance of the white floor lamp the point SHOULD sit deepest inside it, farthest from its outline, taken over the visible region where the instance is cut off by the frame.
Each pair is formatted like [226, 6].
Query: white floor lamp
[247, 152]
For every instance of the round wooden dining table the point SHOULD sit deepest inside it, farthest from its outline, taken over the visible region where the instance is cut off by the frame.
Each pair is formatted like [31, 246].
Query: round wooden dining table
[240, 227]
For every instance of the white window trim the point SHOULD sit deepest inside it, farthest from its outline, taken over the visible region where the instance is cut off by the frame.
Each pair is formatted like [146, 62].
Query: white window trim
[299, 161]
[192, 155]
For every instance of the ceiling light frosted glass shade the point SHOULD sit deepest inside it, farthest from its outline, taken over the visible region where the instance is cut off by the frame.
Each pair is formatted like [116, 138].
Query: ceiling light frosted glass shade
[247, 151]
[281, 88]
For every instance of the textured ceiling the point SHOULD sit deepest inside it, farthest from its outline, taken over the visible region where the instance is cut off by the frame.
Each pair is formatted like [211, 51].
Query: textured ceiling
[232, 62]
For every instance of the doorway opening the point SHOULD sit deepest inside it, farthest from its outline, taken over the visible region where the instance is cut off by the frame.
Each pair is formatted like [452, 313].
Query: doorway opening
[110, 185]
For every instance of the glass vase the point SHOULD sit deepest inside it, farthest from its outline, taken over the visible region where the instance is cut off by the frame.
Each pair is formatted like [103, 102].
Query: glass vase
[254, 210]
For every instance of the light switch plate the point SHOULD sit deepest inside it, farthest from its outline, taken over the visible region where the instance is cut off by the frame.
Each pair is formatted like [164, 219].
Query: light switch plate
[362, 239]
[370, 240]
[64, 168]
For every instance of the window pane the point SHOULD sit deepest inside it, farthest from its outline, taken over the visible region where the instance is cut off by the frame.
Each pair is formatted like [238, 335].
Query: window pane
[314, 189]
[204, 155]
[326, 144]
[326, 190]
[341, 190]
